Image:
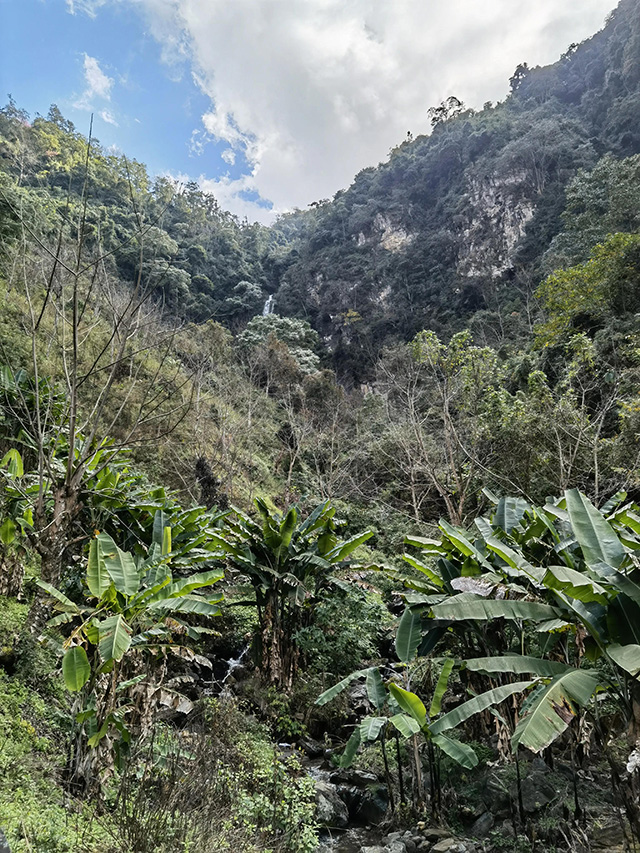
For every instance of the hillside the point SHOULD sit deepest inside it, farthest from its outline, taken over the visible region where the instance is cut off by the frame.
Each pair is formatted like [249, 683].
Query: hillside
[325, 537]
[456, 225]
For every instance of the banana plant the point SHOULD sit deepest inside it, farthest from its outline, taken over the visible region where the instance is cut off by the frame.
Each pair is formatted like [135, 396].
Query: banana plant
[567, 568]
[399, 712]
[289, 565]
[114, 654]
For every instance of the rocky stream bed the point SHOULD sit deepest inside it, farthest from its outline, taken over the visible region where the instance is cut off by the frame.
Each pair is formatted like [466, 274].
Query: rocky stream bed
[353, 811]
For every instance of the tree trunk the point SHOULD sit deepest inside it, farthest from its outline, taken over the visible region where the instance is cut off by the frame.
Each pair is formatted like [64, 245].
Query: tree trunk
[11, 574]
[277, 654]
[50, 538]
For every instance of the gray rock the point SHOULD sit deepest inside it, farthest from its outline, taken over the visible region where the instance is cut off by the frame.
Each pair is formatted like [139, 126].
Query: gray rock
[358, 698]
[330, 809]
[353, 777]
[391, 837]
[507, 830]
[366, 805]
[496, 796]
[539, 765]
[537, 792]
[409, 843]
[4, 844]
[373, 850]
[444, 846]
[435, 833]
[313, 748]
[482, 826]
[397, 847]
[608, 837]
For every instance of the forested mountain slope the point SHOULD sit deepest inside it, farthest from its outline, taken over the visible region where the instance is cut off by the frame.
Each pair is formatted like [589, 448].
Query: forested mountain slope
[459, 222]
[232, 508]
[486, 244]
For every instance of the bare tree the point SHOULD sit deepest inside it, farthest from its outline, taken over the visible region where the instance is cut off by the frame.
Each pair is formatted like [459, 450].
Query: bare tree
[100, 357]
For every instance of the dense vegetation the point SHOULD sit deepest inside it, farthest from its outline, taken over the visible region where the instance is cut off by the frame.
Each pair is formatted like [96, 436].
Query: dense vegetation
[217, 518]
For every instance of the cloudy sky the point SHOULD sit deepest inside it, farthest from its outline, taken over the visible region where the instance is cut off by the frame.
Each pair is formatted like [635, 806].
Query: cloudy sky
[272, 104]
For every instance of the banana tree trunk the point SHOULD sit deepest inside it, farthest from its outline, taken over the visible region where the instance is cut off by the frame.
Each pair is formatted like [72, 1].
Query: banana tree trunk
[11, 574]
[278, 654]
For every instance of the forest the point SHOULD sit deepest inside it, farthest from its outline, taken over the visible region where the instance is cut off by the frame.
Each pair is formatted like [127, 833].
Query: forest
[325, 536]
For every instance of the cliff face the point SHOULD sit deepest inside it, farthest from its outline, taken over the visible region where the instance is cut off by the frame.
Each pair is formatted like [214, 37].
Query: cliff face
[499, 211]
[423, 239]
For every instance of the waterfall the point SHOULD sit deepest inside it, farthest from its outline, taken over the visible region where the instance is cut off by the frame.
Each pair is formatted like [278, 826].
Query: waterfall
[232, 665]
[268, 306]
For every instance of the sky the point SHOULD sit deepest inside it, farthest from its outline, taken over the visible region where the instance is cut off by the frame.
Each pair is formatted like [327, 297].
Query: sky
[272, 104]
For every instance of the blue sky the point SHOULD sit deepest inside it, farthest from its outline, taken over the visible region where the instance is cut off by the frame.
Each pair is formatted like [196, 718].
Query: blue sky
[152, 109]
[271, 104]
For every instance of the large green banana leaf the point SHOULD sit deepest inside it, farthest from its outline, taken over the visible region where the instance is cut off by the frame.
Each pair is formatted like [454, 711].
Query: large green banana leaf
[408, 635]
[518, 665]
[596, 536]
[476, 705]
[552, 708]
[332, 692]
[509, 513]
[461, 753]
[481, 609]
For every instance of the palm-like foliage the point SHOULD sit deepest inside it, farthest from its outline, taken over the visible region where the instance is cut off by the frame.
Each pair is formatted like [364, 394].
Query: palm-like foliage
[134, 616]
[568, 569]
[289, 564]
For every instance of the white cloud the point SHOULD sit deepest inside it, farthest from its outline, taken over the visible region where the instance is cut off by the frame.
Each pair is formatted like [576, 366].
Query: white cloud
[89, 7]
[229, 156]
[231, 195]
[312, 91]
[107, 115]
[97, 85]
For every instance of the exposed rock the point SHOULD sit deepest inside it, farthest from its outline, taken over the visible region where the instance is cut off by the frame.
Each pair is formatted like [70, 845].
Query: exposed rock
[358, 699]
[537, 792]
[366, 805]
[436, 833]
[608, 838]
[330, 809]
[4, 844]
[409, 842]
[498, 212]
[444, 846]
[483, 825]
[397, 847]
[353, 777]
[312, 748]
[386, 233]
[496, 796]
[507, 830]
[373, 850]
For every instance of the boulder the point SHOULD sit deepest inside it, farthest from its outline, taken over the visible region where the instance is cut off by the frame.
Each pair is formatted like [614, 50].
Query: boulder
[353, 777]
[312, 748]
[366, 798]
[435, 833]
[409, 843]
[609, 837]
[482, 826]
[330, 809]
[373, 850]
[537, 792]
[496, 796]
[444, 846]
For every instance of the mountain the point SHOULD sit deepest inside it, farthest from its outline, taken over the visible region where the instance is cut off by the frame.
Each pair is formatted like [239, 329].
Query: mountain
[453, 229]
